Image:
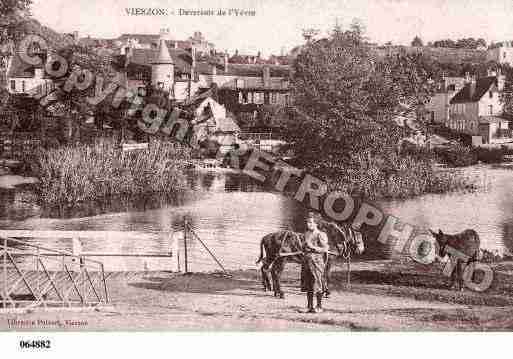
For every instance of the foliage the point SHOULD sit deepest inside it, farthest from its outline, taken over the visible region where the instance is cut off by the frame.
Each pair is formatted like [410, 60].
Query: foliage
[345, 99]
[506, 96]
[394, 176]
[72, 174]
[465, 43]
[8, 7]
[456, 155]
[462, 156]
[417, 42]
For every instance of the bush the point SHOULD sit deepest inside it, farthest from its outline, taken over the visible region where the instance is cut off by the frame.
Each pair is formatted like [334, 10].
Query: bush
[456, 155]
[461, 156]
[395, 176]
[489, 155]
[81, 172]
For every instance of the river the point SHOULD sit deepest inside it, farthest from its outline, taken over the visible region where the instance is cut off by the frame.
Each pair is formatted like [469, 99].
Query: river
[231, 213]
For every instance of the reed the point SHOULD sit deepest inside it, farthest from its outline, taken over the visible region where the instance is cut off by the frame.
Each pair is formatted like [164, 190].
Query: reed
[86, 172]
[396, 176]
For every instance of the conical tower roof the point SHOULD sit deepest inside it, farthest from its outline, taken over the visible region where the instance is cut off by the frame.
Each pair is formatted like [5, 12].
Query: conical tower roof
[163, 56]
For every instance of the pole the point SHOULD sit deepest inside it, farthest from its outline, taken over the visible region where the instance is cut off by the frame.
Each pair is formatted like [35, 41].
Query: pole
[104, 284]
[4, 294]
[185, 227]
[348, 271]
[211, 254]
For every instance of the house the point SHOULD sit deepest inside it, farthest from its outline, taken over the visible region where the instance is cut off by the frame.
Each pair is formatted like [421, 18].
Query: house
[214, 123]
[21, 78]
[502, 54]
[241, 87]
[438, 106]
[476, 109]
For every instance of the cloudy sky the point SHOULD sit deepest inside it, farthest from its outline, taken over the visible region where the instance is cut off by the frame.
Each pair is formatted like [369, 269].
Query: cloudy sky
[278, 23]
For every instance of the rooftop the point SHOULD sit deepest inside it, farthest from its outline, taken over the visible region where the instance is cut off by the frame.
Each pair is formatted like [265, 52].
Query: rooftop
[466, 94]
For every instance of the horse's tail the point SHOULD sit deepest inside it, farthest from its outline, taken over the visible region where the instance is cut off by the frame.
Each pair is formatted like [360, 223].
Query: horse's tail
[261, 251]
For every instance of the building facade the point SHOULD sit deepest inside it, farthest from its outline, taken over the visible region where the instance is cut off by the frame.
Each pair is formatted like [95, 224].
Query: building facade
[501, 55]
[476, 110]
[439, 104]
[240, 87]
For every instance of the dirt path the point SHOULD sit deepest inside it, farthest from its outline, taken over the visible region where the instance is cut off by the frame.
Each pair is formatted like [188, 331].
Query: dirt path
[383, 296]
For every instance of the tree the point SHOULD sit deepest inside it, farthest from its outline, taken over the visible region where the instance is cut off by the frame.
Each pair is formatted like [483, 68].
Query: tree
[417, 42]
[345, 100]
[506, 96]
[8, 7]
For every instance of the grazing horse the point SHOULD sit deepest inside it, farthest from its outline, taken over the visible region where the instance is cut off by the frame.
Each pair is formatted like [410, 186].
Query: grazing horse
[466, 242]
[287, 246]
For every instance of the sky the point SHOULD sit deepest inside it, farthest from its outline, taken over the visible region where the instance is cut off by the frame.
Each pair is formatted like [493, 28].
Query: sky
[278, 24]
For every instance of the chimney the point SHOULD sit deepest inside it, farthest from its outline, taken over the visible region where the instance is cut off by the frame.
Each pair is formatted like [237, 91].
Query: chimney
[472, 86]
[176, 44]
[266, 76]
[193, 65]
[501, 81]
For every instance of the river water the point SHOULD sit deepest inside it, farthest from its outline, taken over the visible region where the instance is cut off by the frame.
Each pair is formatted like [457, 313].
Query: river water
[230, 213]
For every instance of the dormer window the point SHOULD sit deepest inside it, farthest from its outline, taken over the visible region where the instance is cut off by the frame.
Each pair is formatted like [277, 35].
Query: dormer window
[490, 94]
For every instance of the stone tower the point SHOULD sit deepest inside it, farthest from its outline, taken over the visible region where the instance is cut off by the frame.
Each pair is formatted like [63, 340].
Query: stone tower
[163, 69]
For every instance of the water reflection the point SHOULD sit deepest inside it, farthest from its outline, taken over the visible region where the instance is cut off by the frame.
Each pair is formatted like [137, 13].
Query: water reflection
[231, 212]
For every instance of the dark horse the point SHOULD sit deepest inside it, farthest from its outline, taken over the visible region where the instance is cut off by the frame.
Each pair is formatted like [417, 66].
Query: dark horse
[287, 246]
[466, 242]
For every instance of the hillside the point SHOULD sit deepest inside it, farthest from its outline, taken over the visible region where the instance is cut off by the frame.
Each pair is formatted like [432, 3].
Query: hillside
[440, 54]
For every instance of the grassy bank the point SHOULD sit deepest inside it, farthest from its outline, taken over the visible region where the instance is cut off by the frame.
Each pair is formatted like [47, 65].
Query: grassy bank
[395, 176]
[383, 295]
[78, 173]
[462, 156]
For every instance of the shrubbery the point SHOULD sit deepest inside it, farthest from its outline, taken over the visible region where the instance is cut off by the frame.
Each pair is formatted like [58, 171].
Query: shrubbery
[81, 172]
[462, 156]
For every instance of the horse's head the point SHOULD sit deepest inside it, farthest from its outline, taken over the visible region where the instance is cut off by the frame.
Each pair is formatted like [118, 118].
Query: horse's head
[441, 239]
[344, 238]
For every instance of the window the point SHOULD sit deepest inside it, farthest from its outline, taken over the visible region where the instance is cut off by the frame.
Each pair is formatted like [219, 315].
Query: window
[451, 88]
[273, 97]
[13, 85]
[491, 109]
[490, 94]
[23, 86]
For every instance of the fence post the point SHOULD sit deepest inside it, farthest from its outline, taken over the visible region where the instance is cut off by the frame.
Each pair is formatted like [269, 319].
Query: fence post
[185, 228]
[4, 294]
[175, 266]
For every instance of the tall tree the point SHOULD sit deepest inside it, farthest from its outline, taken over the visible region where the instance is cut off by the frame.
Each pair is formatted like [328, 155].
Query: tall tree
[417, 42]
[345, 100]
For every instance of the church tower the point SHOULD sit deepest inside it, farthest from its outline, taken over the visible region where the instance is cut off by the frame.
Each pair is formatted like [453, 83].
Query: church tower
[163, 69]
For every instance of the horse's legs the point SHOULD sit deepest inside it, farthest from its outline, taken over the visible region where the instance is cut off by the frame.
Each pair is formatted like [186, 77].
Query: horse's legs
[460, 268]
[266, 282]
[327, 272]
[276, 274]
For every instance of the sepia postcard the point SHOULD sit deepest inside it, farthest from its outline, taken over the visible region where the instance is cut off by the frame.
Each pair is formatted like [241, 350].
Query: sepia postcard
[234, 165]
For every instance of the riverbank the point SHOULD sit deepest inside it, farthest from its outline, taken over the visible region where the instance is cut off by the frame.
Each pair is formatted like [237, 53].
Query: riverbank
[383, 296]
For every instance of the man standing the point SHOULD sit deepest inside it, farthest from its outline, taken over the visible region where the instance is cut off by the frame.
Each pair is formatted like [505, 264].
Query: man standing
[315, 249]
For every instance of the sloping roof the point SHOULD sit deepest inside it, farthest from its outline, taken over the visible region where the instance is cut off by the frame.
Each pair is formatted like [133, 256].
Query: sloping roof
[181, 58]
[141, 38]
[19, 68]
[163, 56]
[492, 119]
[226, 124]
[466, 94]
